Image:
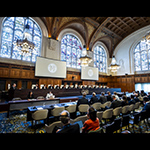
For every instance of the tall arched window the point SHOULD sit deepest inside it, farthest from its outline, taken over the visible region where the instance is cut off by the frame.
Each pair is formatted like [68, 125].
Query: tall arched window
[71, 50]
[100, 58]
[142, 56]
[12, 30]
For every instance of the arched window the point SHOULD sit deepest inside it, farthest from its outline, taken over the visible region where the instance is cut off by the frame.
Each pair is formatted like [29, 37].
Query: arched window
[100, 58]
[142, 56]
[71, 50]
[12, 30]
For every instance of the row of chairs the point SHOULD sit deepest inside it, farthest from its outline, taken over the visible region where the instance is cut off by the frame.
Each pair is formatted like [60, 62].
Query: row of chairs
[115, 125]
[42, 114]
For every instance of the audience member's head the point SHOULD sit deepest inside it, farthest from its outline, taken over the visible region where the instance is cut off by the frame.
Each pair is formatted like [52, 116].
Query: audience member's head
[65, 117]
[115, 93]
[132, 96]
[128, 98]
[124, 97]
[94, 94]
[145, 99]
[114, 97]
[92, 113]
[84, 94]
[103, 93]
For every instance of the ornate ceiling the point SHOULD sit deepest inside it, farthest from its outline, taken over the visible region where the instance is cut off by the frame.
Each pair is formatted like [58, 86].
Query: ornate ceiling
[109, 30]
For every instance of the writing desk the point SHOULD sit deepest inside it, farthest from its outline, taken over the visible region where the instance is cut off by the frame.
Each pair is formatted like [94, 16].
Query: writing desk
[32, 109]
[24, 104]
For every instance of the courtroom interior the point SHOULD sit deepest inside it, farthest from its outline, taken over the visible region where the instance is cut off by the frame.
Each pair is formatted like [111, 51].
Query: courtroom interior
[75, 75]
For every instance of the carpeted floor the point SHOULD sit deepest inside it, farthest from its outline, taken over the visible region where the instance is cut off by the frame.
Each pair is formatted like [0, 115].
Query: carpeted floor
[17, 123]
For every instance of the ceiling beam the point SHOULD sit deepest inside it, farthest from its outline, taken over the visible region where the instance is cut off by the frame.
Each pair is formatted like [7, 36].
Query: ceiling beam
[124, 22]
[106, 30]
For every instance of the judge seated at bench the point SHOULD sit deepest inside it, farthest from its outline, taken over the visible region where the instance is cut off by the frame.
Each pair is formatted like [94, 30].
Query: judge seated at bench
[57, 86]
[44, 87]
[36, 86]
[50, 86]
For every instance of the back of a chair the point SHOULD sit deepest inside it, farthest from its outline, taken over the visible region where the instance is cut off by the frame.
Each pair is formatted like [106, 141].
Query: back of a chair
[82, 118]
[71, 108]
[16, 99]
[100, 115]
[117, 111]
[108, 113]
[100, 130]
[131, 107]
[137, 118]
[40, 114]
[137, 104]
[125, 109]
[117, 123]
[57, 110]
[106, 104]
[83, 107]
[40, 97]
[125, 120]
[50, 128]
[97, 105]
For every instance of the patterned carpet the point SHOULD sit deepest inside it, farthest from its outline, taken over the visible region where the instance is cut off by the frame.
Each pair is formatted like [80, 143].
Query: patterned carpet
[17, 123]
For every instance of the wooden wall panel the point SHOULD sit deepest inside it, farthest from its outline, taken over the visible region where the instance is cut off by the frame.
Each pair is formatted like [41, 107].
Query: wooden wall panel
[4, 72]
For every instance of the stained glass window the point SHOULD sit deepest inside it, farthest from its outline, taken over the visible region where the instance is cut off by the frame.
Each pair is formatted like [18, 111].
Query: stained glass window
[100, 58]
[71, 50]
[142, 56]
[13, 28]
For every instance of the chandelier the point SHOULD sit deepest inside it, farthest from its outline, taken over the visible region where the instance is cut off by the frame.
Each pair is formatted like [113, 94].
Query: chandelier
[84, 59]
[25, 46]
[113, 66]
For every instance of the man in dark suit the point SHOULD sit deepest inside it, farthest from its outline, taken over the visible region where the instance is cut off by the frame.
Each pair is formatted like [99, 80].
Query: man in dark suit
[109, 97]
[94, 99]
[67, 127]
[11, 91]
[115, 103]
[132, 101]
[103, 98]
[146, 104]
[82, 100]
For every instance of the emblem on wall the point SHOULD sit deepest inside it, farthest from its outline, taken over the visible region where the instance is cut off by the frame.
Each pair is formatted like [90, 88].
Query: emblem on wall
[52, 68]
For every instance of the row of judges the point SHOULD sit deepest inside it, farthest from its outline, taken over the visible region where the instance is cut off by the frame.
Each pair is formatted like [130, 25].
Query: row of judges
[76, 86]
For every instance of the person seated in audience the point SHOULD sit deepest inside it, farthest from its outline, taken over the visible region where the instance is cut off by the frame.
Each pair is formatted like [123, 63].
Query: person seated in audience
[132, 101]
[148, 95]
[44, 87]
[30, 95]
[146, 103]
[82, 100]
[117, 97]
[67, 127]
[143, 93]
[49, 95]
[103, 98]
[136, 98]
[94, 99]
[109, 97]
[93, 122]
[36, 86]
[115, 103]
[124, 101]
